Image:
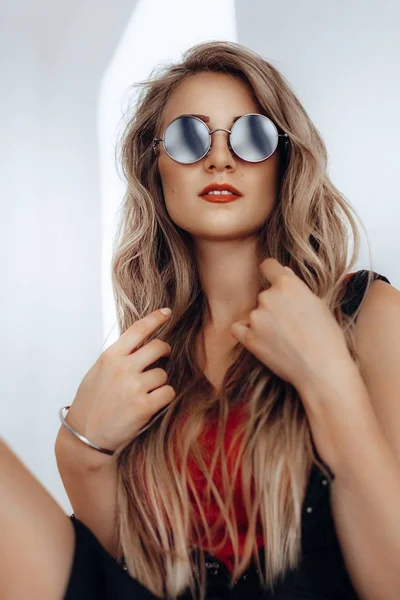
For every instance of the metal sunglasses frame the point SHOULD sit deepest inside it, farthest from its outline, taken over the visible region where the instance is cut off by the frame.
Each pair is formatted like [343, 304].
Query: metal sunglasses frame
[156, 141]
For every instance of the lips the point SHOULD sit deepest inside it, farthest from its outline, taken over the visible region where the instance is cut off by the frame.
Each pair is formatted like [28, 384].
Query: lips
[220, 186]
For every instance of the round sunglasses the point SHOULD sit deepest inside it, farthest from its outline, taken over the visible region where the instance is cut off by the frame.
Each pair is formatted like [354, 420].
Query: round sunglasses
[253, 138]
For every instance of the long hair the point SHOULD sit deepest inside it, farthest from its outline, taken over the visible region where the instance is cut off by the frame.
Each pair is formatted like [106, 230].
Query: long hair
[153, 266]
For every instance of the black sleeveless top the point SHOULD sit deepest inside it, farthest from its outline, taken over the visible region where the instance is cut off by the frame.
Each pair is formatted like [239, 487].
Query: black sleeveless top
[321, 575]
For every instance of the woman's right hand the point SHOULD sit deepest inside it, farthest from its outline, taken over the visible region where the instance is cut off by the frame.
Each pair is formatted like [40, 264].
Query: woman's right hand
[116, 398]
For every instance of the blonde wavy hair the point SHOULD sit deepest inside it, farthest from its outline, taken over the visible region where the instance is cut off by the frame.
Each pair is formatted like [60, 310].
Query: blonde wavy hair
[153, 266]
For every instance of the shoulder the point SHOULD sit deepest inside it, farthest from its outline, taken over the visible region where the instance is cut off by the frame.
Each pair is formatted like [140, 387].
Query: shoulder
[378, 321]
[377, 339]
[379, 304]
[356, 288]
[379, 317]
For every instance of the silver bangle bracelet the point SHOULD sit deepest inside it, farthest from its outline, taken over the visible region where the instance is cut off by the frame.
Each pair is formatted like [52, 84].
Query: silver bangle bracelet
[78, 435]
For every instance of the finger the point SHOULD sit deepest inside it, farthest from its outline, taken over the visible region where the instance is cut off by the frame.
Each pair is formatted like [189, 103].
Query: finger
[162, 396]
[271, 269]
[137, 333]
[149, 353]
[239, 330]
[153, 379]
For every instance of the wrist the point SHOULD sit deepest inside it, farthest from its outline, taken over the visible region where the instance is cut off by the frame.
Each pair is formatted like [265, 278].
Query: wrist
[336, 408]
[74, 454]
[336, 378]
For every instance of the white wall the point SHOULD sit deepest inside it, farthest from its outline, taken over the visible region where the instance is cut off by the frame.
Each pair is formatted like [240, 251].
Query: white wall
[53, 56]
[343, 61]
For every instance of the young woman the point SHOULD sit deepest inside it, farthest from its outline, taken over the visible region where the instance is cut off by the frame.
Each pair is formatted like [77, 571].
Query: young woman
[246, 444]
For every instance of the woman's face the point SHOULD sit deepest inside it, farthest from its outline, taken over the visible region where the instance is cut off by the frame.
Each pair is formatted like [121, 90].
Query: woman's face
[221, 97]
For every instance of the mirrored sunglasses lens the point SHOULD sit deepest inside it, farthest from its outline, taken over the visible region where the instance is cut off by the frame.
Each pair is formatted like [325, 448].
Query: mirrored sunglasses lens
[186, 139]
[254, 138]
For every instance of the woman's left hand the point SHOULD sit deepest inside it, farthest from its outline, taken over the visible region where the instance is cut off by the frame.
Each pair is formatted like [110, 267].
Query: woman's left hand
[292, 331]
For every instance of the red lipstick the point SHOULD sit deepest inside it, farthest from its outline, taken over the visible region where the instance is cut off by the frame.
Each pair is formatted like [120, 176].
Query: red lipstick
[226, 187]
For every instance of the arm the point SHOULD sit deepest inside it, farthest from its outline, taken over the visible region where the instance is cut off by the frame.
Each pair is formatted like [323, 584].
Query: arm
[355, 416]
[366, 490]
[37, 539]
[90, 480]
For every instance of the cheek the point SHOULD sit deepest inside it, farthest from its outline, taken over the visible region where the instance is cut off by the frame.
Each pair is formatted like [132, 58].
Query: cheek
[169, 186]
[269, 175]
[171, 178]
[171, 194]
[177, 183]
[261, 182]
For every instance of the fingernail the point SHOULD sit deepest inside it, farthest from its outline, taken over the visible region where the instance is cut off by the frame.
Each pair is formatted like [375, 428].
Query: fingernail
[166, 311]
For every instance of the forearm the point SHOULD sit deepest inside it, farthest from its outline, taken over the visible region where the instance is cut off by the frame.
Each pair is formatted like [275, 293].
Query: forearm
[365, 494]
[91, 485]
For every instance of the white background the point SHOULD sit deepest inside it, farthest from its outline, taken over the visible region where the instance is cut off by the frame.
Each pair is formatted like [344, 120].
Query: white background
[65, 74]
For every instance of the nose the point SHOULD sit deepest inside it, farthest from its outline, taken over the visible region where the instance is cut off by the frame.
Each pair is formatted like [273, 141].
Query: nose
[219, 156]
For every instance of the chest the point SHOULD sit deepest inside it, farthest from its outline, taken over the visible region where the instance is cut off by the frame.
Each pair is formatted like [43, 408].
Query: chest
[213, 356]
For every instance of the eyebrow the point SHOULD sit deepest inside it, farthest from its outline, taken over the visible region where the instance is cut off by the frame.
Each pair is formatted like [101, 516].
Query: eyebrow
[206, 118]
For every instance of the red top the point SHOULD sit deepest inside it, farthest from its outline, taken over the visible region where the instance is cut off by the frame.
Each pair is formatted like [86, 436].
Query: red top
[207, 440]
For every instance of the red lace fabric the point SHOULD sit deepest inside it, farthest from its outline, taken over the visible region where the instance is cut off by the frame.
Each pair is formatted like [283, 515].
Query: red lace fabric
[208, 441]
